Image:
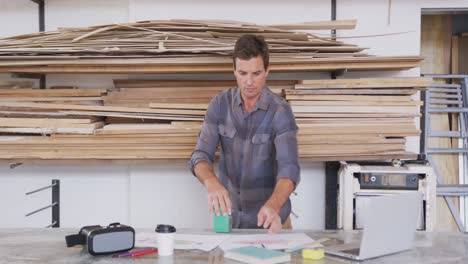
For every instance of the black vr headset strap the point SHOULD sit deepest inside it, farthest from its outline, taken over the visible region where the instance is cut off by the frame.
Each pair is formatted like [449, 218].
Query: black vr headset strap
[73, 240]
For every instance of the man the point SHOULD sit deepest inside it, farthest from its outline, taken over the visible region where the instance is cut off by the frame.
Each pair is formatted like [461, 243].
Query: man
[258, 166]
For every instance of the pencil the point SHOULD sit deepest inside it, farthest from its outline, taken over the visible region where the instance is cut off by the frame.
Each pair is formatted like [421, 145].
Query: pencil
[132, 253]
[145, 252]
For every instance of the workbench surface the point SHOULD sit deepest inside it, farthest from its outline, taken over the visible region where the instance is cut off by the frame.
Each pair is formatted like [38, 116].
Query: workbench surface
[48, 246]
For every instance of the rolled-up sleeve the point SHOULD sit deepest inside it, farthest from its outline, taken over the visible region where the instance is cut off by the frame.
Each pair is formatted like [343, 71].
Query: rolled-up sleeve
[287, 154]
[208, 138]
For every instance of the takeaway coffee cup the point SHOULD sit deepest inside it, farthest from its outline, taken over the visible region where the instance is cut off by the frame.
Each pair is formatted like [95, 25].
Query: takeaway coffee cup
[165, 235]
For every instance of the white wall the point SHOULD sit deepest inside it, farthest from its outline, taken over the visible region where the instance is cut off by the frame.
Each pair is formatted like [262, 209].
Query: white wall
[89, 194]
[167, 193]
[259, 11]
[18, 17]
[145, 195]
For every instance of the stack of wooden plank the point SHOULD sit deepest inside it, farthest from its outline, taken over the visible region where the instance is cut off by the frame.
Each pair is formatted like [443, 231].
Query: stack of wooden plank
[113, 142]
[18, 114]
[185, 46]
[355, 119]
[174, 94]
[68, 124]
[348, 119]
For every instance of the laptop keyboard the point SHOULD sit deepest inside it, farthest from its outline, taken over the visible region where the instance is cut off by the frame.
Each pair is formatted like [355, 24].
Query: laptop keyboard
[352, 251]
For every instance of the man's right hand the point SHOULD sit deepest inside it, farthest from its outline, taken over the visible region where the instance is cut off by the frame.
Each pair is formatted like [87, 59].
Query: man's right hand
[218, 197]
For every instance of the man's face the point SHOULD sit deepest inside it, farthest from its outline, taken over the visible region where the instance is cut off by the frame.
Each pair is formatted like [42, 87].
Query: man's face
[251, 77]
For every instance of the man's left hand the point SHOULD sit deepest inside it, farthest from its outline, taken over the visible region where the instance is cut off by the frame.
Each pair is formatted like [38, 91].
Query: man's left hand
[269, 218]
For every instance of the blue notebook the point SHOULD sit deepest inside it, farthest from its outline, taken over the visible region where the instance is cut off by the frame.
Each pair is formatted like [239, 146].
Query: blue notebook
[256, 255]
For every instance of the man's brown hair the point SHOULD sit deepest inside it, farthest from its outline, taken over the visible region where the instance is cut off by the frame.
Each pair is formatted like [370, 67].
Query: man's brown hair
[250, 46]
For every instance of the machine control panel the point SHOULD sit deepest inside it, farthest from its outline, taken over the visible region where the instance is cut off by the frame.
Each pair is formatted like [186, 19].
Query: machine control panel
[389, 181]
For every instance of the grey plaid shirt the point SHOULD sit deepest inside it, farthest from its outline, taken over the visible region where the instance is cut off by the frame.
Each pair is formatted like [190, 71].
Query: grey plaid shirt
[257, 149]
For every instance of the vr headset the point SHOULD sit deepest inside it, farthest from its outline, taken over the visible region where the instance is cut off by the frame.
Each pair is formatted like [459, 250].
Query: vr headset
[100, 240]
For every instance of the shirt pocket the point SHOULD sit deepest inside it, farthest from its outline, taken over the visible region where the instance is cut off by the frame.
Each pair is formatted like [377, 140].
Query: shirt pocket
[262, 146]
[227, 134]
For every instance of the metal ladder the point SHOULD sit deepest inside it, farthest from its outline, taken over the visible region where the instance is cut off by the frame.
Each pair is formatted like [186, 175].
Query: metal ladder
[455, 97]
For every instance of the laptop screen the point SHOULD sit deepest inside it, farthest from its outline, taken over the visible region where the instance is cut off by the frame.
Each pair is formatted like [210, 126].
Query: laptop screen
[390, 224]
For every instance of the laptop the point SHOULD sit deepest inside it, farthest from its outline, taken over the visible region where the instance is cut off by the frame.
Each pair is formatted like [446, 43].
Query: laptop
[389, 227]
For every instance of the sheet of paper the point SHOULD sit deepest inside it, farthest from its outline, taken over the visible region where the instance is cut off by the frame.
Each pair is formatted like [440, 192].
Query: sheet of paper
[183, 241]
[277, 241]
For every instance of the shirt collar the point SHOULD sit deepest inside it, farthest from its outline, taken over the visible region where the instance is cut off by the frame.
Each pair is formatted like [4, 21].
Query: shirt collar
[262, 103]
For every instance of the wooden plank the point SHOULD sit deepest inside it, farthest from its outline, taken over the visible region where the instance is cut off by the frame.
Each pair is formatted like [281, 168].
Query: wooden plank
[355, 109]
[348, 150]
[39, 114]
[41, 121]
[143, 83]
[147, 69]
[51, 124]
[195, 125]
[157, 94]
[351, 120]
[354, 103]
[169, 89]
[355, 115]
[128, 103]
[198, 106]
[156, 100]
[90, 108]
[15, 84]
[366, 83]
[463, 55]
[96, 154]
[97, 140]
[43, 131]
[137, 83]
[454, 53]
[53, 92]
[376, 92]
[210, 65]
[355, 157]
[376, 98]
[339, 139]
[130, 115]
[45, 99]
[146, 129]
[318, 25]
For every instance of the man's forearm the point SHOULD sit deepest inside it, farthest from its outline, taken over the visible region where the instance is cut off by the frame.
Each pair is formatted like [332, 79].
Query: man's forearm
[283, 189]
[204, 172]
[219, 201]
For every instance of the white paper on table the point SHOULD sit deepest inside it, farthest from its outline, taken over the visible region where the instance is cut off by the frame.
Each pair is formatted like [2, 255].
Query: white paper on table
[183, 241]
[277, 241]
